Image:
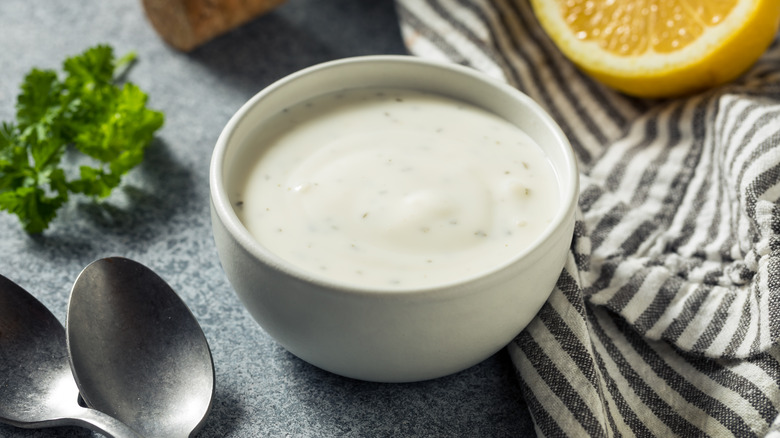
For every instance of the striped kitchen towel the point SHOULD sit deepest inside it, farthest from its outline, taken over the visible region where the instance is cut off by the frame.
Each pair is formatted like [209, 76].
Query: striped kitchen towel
[666, 318]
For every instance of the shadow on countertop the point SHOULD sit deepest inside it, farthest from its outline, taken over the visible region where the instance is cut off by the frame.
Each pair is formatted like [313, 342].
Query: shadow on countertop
[289, 38]
[326, 404]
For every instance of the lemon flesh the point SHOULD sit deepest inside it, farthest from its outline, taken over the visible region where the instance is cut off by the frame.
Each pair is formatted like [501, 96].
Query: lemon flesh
[661, 48]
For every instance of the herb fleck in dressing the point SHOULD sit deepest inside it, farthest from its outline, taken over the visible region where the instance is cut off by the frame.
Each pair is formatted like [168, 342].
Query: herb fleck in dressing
[395, 188]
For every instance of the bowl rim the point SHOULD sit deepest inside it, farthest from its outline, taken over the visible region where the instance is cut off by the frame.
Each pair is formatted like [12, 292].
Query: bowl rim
[224, 211]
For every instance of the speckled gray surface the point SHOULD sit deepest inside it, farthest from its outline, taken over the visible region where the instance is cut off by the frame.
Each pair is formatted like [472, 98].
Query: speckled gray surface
[160, 217]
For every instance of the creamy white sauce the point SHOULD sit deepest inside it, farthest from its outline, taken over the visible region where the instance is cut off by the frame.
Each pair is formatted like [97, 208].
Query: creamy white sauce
[395, 189]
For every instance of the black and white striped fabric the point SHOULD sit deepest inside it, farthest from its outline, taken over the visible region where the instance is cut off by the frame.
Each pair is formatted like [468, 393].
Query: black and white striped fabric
[666, 318]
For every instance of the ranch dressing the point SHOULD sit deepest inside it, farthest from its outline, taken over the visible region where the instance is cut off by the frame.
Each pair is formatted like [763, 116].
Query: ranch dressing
[394, 189]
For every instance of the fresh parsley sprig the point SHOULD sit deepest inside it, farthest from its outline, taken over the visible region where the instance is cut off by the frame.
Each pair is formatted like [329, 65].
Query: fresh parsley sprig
[90, 111]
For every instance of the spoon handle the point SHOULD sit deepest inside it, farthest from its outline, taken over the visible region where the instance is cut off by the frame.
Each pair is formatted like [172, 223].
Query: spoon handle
[105, 424]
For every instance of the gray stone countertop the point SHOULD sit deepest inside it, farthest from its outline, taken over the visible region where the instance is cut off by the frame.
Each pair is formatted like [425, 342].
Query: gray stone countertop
[160, 217]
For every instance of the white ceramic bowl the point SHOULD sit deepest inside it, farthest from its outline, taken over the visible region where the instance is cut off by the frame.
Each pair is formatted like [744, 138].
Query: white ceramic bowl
[391, 335]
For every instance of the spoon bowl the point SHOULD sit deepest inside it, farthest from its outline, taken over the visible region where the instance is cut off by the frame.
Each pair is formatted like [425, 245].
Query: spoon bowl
[37, 388]
[136, 350]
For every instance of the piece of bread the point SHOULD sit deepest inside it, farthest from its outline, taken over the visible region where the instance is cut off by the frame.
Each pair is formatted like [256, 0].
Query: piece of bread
[186, 24]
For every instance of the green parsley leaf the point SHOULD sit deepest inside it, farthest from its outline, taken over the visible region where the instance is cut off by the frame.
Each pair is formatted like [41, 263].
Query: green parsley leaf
[89, 111]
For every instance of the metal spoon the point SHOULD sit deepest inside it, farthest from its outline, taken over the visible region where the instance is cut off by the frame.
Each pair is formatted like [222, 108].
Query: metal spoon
[136, 350]
[36, 385]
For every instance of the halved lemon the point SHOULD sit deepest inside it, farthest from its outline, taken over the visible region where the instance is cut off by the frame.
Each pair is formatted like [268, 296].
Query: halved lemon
[661, 48]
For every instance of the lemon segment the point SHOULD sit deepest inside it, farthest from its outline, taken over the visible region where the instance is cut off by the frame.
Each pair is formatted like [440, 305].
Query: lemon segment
[661, 48]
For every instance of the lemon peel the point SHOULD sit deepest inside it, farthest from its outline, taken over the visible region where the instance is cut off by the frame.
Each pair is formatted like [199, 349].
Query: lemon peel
[661, 48]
